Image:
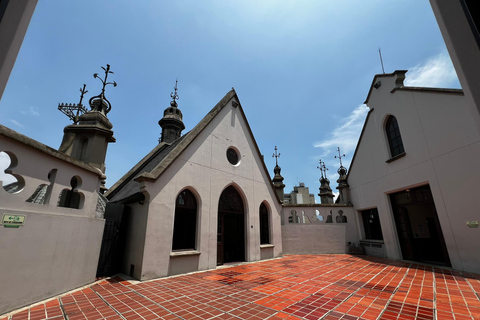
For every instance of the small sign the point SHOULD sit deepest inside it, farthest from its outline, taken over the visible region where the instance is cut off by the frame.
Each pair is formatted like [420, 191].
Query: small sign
[472, 224]
[13, 220]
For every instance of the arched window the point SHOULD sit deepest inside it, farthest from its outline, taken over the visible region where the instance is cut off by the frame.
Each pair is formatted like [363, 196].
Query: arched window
[71, 198]
[264, 225]
[185, 223]
[394, 137]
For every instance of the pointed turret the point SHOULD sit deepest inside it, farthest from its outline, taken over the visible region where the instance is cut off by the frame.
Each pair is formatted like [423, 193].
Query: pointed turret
[278, 179]
[171, 123]
[88, 137]
[326, 194]
[342, 181]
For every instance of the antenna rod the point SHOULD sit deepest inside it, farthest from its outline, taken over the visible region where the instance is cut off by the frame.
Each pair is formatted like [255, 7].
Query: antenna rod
[381, 60]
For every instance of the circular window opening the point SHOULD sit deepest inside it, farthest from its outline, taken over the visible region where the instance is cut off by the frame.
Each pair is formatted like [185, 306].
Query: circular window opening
[232, 156]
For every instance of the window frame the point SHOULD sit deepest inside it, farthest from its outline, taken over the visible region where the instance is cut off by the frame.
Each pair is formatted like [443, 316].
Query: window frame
[394, 138]
[366, 215]
[182, 237]
[264, 217]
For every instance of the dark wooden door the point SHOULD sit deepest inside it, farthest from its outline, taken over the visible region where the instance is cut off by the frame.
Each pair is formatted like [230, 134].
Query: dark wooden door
[111, 249]
[404, 231]
[231, 227]
[220, 239]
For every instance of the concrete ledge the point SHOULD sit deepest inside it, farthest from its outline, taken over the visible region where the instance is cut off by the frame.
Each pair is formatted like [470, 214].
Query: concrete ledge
[264, 246]
[184, 253]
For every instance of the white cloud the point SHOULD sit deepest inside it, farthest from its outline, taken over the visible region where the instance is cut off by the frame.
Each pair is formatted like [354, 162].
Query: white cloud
[32, 111]
[4, 164]
[16, 123]
[438, 71]
[346, 134]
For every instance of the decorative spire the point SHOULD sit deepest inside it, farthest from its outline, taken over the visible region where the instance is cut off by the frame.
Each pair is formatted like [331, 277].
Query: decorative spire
[342, 171]
[172, 121]
[276, 156]
[326, 195]
[174, 95]
[278, 179]
[320, 166]
[343, 196]
[97, 103]
[323, 169]
[73, 111]
[277, 168]
[340, 156]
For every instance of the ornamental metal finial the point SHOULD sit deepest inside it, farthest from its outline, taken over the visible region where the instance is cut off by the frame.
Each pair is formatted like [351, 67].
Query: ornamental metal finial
[320, 166]
[82, 93]
[104, 81]
[98, 102]
[174, 95]
[340, 156]
[323, 168]
[73, 111]
[276, 156]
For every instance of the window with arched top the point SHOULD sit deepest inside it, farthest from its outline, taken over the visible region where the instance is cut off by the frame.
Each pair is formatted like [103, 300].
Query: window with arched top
[264, 225]
[71, 198]
[394, 137]
[185, 222]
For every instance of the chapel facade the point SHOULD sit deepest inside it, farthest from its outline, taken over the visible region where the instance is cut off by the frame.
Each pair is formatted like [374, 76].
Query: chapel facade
[200, 199]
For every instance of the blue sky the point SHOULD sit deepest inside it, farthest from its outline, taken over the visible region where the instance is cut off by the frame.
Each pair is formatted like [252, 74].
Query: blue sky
[301, 69]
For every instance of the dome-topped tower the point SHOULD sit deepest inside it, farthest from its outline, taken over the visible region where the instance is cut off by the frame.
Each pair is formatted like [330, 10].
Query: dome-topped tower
[171, 123]
[342, 187]
[278, 179]
[88, 137]
[326, 194]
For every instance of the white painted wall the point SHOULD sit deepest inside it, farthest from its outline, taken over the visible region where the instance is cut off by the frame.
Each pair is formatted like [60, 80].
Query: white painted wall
[442, 147]
[313, 239]
[57, 249]
[204, 169]
[310, 213]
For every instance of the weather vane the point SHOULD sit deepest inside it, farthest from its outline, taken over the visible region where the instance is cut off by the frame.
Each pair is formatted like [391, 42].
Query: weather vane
[174, 95]
[276, 156]
[73, 111]
[340, 156]
[102, 95]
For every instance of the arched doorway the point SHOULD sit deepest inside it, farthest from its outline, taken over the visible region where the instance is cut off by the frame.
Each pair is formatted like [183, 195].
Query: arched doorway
[231, 227]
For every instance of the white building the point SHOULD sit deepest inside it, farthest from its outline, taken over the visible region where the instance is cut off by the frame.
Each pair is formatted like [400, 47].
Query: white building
[199, 200]
[414, 174]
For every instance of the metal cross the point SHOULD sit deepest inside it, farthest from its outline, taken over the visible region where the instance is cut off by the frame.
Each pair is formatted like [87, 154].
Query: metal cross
[104, 81]
[276, 156]
[320, 166]
[340, 156]
[174, 95]
[325, 169]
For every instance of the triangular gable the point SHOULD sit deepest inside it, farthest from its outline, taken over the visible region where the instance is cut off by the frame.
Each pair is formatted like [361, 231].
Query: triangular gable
[180, 145]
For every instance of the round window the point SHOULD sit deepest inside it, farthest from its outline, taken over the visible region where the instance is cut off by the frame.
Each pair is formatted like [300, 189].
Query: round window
[232, 156]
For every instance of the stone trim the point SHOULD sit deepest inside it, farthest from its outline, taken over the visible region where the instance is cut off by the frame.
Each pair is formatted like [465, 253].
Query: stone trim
[184, 253]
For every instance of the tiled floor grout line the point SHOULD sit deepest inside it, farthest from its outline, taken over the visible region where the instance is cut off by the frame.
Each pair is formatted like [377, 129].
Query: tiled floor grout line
[394, 292]
[60, 302]
[435, 313]
[358, 289]
[303, 287]
[224, 312]
[108, 304]
[141, 295]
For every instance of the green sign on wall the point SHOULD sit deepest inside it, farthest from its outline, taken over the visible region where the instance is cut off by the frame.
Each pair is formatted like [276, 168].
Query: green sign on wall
[13, 220]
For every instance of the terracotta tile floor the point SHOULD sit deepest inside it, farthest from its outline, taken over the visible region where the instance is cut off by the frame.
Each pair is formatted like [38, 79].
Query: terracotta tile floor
[293, 287]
